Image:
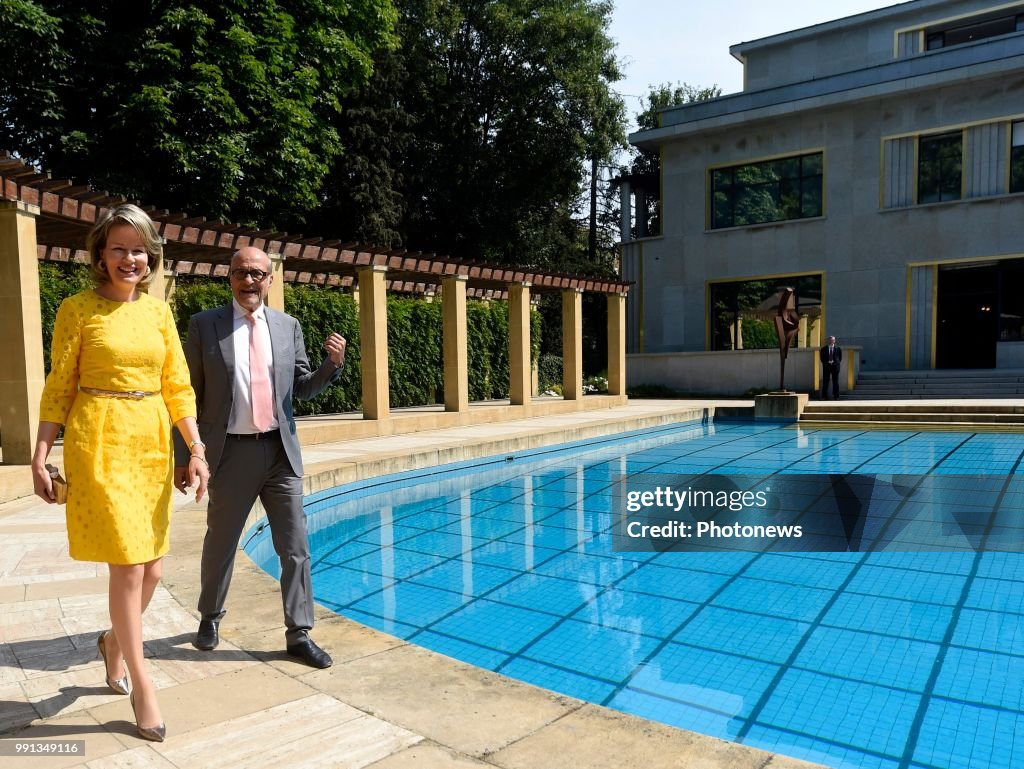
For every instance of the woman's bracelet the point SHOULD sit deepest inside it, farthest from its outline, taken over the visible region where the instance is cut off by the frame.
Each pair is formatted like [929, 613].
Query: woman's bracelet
[201, 459]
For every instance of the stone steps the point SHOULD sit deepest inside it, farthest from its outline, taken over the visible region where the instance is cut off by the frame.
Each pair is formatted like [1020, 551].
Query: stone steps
[994, 416]
[939, 383]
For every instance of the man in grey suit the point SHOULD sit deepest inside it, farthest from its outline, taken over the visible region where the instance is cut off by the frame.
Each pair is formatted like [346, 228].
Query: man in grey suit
[247, 363]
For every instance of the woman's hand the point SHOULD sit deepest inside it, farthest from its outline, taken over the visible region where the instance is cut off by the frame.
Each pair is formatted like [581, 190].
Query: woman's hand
[198, 469]
[42, 484]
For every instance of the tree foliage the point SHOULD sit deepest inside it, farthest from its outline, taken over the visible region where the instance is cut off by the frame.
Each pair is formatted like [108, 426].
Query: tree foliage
[647, 163]
[472, 135]
[223, 108]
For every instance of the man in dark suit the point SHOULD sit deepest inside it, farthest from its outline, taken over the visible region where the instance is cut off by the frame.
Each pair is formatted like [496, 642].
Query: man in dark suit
[247, 363]
[831, 356]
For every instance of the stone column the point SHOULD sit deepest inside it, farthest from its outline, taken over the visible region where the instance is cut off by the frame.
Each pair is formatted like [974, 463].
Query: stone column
[373, 340]
[519, 343]
[275, 297]
[625, 212]
[21, 331]
[814, 334]
[641, 212]
[456, 351]
[572, 344]
[616, 344]
[801, 337]
[162, 285]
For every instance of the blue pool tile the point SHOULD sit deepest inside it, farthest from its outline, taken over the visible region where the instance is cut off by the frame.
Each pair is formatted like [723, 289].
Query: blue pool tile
[772, 598]
[445, 543]
[337, 586]
[389, 534]
[637, 613]
[1002, 565]
[679, 714]
[495, 625]
[942, 563]
[821, 573]
[548, 535]
[716, 563]
[997, 595]
[547, 594]
[990, 631]
[592, 650]
[395, 562]
[907, 583]
[958, 736]
[770, 639]
[485, 529]
[499, 493]
[698, 639]
[429, 520]
[870, 658]
[875, 719]
[473, 653]
[558, 679]
[584, 568]
[724, 683]
[383, 624]
[512, 555]
[982, 677]
[837, 756]
[684, 584]
[889, 616]
[464, 576]
[412, 604]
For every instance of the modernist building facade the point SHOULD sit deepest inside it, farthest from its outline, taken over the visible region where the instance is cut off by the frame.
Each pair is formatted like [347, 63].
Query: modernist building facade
[876, 165]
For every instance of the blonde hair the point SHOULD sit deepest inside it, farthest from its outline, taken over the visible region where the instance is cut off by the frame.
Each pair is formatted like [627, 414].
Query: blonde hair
[132, 215]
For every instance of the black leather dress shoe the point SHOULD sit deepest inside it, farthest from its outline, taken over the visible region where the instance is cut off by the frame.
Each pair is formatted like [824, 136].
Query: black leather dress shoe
[207, 638]
[310, 653]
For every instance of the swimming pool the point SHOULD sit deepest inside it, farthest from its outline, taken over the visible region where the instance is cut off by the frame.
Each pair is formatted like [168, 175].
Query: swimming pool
[908, 660]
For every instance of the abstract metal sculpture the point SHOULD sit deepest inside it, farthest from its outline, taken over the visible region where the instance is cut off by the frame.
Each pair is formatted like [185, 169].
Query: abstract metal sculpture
[787, 324]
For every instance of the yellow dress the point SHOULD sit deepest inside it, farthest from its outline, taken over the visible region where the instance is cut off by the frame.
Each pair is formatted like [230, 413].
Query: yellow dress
[117, 452]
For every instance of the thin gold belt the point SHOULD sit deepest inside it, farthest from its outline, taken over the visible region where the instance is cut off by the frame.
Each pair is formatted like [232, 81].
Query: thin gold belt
[135, 395]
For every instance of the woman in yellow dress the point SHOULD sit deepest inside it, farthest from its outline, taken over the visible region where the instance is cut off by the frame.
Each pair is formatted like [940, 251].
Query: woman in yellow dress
[117, 381]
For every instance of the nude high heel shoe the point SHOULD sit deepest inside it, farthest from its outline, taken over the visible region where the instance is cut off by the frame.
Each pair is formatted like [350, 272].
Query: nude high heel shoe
[119, 685]
[152, 733]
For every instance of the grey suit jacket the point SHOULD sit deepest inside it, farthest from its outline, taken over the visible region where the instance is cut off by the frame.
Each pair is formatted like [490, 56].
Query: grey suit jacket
[210, 353]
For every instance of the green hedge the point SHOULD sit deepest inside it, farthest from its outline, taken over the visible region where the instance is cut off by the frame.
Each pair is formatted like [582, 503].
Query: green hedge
[57, 282]
[415, 352]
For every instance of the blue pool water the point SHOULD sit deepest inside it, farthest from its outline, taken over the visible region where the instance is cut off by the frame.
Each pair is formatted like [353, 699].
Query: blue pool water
[894, 660]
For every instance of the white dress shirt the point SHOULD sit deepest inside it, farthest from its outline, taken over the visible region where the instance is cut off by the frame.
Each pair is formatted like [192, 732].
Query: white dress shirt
[241, 406]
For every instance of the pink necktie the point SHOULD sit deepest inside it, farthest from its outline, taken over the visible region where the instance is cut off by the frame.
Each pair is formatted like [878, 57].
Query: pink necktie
[259, 379]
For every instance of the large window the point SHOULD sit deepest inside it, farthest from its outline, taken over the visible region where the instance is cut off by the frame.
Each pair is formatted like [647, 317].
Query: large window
[742, 313]
[939, 167]
[770, 191]
[979, 30]
[1017, 158]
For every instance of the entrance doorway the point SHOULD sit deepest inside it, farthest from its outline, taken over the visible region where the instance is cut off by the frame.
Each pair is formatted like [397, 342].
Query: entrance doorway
[968, 317]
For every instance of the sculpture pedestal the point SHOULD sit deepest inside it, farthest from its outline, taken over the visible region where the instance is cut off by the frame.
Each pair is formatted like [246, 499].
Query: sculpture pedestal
[779, 406]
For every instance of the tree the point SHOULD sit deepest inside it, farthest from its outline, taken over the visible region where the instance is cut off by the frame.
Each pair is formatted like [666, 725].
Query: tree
[223, 108]
[474, 131]
[647, 163]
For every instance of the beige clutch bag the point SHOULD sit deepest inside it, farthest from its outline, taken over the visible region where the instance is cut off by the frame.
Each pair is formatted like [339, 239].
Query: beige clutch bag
[60, 486]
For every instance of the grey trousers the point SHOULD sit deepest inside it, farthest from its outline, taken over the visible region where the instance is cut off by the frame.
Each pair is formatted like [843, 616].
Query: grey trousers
[249, 469]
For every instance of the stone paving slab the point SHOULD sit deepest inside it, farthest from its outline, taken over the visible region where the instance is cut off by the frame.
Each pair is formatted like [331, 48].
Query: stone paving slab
[385, 703]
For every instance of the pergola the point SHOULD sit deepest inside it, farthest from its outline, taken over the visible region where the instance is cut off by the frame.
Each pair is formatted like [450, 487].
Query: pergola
[47, 219]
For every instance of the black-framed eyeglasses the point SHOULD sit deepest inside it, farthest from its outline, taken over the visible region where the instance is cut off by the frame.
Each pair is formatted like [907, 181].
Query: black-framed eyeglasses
[256, 275]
